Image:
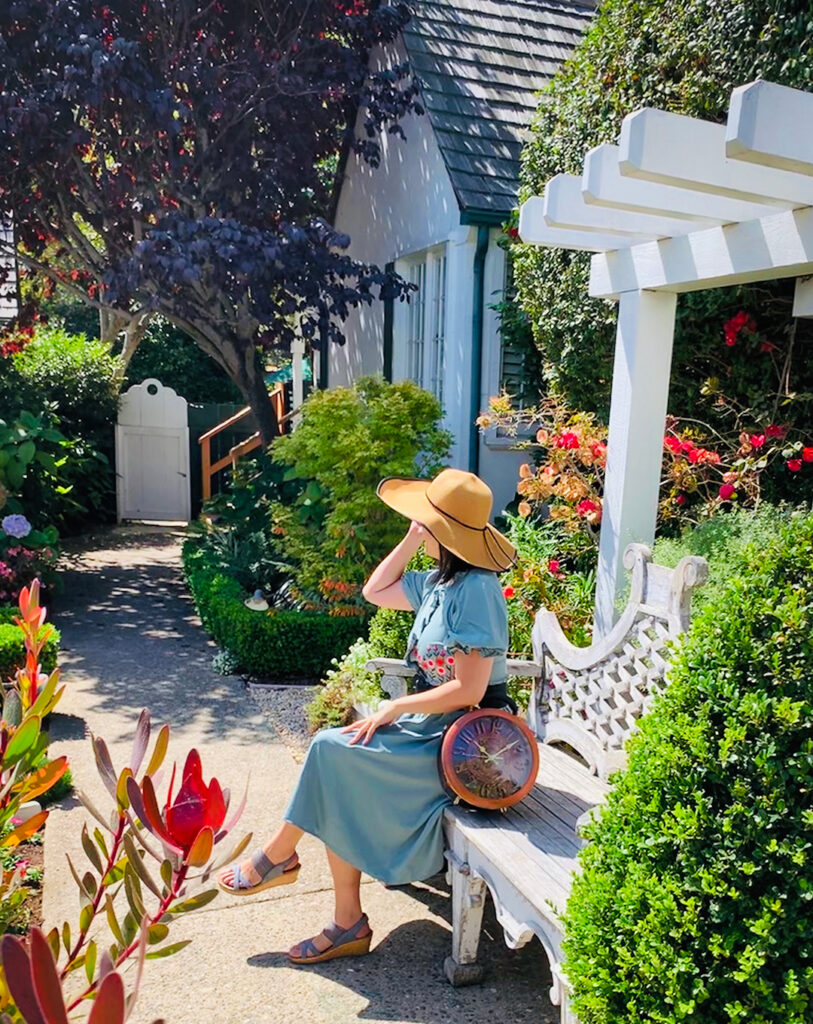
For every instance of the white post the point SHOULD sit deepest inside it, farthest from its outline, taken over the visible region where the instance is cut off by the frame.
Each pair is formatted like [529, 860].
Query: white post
[643, 358]
[297, 355]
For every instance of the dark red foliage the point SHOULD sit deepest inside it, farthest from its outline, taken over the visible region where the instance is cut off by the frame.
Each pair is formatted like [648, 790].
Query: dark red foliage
[199, 141]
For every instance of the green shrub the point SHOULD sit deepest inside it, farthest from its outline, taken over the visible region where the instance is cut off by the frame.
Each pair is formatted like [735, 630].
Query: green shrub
[682, 57]
[12, 646]
[694, 899]
[337, 530]
[346, 684]
[265, 644]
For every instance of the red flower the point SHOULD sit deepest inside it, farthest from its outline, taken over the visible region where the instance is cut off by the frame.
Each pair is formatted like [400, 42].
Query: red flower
[554, 566]
[513, 232]
[757, 440]
[774, 431]
[191, 823]
[807, 454]
[794, 465]
[727, 491]
[508, 593]
[766, 346]
[672, 443]
[589, 510]
[567, 440]
[680, 499]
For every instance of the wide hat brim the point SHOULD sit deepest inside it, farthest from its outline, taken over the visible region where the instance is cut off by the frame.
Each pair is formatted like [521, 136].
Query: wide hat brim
[484, 547]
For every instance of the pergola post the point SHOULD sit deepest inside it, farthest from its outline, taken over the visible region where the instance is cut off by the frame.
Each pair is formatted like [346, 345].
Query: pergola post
[640, 389]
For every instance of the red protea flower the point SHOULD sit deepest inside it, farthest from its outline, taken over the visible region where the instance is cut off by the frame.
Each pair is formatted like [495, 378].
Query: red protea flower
[192, 822]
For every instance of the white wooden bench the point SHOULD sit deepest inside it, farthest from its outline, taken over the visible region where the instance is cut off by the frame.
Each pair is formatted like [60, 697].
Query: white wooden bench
[585, 700]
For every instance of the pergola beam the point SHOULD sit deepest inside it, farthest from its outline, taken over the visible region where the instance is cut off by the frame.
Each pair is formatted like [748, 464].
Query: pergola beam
[564, 207]
[758, 250]
[803, 297]
[604, 185]
[688, 153]
[770, 125]
[534, 230]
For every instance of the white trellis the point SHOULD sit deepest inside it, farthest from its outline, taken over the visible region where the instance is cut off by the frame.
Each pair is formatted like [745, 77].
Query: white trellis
[677, 206]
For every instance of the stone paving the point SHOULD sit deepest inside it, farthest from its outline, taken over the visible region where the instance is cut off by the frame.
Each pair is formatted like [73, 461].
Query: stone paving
[131, 639]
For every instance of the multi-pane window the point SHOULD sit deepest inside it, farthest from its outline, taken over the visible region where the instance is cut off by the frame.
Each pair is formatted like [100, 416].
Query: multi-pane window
[424, 325]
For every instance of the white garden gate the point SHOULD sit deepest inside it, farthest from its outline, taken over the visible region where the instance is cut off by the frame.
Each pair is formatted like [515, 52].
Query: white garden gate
[152, 454]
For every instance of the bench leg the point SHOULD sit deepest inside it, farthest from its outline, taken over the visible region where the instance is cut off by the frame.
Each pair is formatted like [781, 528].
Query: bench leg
[468, 899]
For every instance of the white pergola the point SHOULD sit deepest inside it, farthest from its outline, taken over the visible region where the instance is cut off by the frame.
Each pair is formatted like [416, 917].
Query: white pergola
[678, 205]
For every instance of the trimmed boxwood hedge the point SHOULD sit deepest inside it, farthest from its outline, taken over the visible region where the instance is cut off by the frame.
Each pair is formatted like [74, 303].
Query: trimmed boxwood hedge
[12, 647]
[268, 645]
[695, 899]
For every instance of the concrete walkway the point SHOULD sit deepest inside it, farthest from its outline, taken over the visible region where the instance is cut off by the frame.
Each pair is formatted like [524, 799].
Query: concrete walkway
[131, 640]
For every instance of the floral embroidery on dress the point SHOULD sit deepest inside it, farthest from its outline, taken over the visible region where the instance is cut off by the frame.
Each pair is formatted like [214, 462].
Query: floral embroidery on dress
[436, 661]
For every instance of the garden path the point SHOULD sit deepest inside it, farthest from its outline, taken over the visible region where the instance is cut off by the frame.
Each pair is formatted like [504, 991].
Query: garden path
[131, 639]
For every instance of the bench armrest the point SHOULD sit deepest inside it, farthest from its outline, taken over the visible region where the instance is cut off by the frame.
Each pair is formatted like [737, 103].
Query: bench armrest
[394, 674]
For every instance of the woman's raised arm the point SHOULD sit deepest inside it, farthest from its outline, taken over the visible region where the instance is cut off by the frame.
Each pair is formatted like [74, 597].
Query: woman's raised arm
[384, 588]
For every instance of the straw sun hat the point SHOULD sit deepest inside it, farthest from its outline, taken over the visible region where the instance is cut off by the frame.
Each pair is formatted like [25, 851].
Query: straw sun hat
[454, 508]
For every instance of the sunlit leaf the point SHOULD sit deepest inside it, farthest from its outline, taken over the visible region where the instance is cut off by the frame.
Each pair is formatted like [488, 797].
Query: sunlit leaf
[84, 892]
[201, 849]
[89, 806]
[90, 850]
[135, 860]
[157, 933]
[133, 892]
[159, 751]
[121, 789]
[140, 741]
[66, 936]
[112, 920]
[166, 873]
[23, 740]
[44, 778]
[108, 1007]
[157, 954]
[104, 765]
[85, 918]
[194, 902]
[46, 980]
[90, 960]
[25, 830]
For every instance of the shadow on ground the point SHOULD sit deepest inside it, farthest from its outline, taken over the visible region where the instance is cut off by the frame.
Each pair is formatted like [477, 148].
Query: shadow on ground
[129, 626]
[414, 952]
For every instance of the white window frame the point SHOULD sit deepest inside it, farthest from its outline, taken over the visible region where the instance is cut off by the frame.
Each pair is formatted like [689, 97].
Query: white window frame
[419, 326]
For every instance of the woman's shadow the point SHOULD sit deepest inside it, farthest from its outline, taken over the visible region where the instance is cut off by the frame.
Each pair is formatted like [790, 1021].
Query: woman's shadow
[403, 980]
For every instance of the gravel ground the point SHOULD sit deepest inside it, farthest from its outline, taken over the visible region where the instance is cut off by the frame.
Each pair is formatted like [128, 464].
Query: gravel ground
[284, 707]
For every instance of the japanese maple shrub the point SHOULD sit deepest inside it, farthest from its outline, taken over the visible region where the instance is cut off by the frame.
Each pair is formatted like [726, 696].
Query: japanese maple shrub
[695, 895]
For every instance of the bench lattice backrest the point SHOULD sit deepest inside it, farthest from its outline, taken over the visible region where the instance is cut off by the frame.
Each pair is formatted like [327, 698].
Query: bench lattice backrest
[591, 697]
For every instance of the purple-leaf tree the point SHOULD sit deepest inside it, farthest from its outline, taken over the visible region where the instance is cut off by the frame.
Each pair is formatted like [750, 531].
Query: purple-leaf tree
[177, 157]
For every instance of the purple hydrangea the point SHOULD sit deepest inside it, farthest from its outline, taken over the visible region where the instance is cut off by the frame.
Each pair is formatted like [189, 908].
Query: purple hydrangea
[16, 526]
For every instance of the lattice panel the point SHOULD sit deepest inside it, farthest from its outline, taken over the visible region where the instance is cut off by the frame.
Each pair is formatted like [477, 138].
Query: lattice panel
[607, 699]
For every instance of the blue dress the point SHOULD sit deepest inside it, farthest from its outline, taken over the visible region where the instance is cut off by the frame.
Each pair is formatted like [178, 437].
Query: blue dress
[380, 806]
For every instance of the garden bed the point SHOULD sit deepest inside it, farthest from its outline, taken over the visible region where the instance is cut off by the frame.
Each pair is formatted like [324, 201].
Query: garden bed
[270, 645]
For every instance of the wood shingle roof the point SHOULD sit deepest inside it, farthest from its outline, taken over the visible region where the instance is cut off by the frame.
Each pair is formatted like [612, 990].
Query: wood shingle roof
[482, 63]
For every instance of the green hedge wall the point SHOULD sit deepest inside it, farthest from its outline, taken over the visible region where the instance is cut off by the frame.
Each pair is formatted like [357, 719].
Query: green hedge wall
[683, 56]
[268, 645]
[694, 903]
[12, 648]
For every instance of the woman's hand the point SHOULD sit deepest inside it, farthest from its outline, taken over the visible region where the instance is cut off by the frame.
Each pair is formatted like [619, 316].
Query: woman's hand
[365, 728]
[418, 532]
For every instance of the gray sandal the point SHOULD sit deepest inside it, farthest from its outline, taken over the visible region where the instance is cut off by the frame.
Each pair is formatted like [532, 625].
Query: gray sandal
[344, 942]
[270, 874]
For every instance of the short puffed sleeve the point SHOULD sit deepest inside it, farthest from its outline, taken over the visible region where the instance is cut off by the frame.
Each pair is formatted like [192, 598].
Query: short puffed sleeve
[478, 616]
[414, 584]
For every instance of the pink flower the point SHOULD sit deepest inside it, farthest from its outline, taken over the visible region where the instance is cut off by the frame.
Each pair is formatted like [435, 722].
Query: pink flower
[794, 465]
[672, 443]
[554, 566]
[757, 440]
[508, 593]
[727, 491]
[567, 440]
[589, 510]
[774, 431]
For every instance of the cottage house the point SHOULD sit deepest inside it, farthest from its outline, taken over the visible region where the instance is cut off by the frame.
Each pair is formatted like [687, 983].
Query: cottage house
[435, 207]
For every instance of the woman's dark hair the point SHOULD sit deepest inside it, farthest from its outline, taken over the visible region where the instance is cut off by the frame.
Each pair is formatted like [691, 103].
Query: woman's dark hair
[450, 564]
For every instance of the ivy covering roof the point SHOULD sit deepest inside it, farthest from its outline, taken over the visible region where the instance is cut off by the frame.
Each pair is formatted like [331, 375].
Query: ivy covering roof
[482, 63]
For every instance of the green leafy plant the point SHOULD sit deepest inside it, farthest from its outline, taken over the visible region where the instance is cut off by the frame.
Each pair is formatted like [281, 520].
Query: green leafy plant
[693, 902]
[141, 856]
[337, 530]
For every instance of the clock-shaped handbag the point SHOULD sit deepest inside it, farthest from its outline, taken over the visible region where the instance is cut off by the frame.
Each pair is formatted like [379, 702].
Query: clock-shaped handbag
[489, 759]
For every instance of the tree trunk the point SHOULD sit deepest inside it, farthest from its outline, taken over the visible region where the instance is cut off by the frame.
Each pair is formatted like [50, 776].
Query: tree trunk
[255, 391]
[133, 333]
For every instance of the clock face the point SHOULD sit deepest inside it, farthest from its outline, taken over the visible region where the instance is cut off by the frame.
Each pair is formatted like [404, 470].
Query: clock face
[490, 758]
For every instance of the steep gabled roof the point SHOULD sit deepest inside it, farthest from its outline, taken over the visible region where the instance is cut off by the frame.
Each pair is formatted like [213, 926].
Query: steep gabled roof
[482, 63]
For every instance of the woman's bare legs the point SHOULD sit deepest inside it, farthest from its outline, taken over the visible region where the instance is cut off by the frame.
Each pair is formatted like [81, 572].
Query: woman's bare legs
[347, 897]
[279, 848]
